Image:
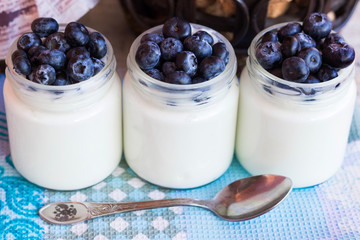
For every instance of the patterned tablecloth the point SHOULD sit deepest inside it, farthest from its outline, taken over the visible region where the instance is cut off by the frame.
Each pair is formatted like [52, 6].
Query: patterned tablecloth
[327, 211]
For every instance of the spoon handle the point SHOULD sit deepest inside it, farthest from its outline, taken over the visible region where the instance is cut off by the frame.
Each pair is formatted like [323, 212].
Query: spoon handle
[101, 209]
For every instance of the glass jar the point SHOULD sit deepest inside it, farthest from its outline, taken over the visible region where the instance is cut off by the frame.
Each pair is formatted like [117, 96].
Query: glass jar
[293, 129]
[65, 137]
[179, 136]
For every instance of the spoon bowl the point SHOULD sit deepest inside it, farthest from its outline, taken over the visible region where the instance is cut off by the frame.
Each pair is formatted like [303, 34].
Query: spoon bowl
[239, 201]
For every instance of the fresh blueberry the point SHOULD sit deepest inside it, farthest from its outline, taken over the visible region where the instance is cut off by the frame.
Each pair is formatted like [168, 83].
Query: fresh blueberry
[22, 65]
[44, 74]
[305, 40]
[17, 53]
[220, 50]
[177, 28]
[203, 35]
[147, 55]
[211, 67]
[98, 65]
[326, 73]
[333, 38]
[57, 41]
[312, 58]
[312, 79]
[200, 48]
[178, 77]
[170, 47]
[155, 37]
[338, 55]
[289, 46]
[77, 51]
[34, 52]
[271, 36]
[317, 25]
[76, 34]
[187, 62]
[269, 54]
[80, 68]
[43, 27]
[198, 80]
[61, 79]
[289, 29]
[168, 67]
[295, 69]
[97, 45]
[155, 73]
[277, 72]
[54, 57]
[28, 40]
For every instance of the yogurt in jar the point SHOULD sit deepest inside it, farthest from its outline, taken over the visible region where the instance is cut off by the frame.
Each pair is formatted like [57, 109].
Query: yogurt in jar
[179, 136]
[65, 137]
[297, 130]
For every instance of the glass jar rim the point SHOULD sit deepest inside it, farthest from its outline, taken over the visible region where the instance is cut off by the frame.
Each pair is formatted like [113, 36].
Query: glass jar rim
[181, 87]
[327, 84]
[23, 80]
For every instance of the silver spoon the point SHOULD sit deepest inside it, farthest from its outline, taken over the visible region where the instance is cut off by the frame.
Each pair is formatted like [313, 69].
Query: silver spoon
[241, 200]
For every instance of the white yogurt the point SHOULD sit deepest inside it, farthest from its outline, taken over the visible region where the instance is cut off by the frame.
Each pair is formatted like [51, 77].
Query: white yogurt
[67, 140]
[283, 131]
[170, 139]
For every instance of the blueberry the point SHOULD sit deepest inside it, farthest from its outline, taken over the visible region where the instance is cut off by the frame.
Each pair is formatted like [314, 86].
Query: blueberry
[178, 77]
[54, 57]
[57, 41]
[77, 51]
[22, 65]
[200, 48]
[220, 50]
[333, 38]
[211, 67]
[28, 40]
[295, 69]
[289, 46]
[97, 45]
[305, 40]
[312, 58]
[155, 73]
[17, 53]
[98, 65]
[76, 34]
[203, 35]
[61, 79]
[177, 28]
[168, 67]
[312, 79]
[43, 27]
[34, 52]
[44, 74]
[277, 72]
[338, 55]
[268, 54]
[147, 55]
[271, 36]
[170, 47]
[198, 80]
[326, 73]
[317, 25]
[289, 29]
[80, 68]
[187, 62]
[155, 37]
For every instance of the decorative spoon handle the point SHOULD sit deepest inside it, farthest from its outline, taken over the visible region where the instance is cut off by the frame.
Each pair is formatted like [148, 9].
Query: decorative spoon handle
[73, 212]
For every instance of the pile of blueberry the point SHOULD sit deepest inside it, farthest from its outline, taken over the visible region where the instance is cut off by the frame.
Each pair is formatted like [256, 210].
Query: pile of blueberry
[177, 56]
[49, 57]
[305, 53]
